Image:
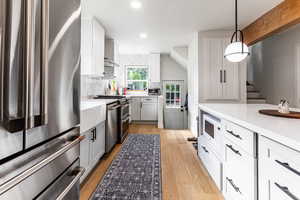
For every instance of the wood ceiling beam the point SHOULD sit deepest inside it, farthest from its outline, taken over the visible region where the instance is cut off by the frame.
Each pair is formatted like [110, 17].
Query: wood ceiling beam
[283, 16]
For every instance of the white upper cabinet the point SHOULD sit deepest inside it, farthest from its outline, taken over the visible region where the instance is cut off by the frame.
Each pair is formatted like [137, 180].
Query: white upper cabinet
[92, 47]
[213, 68]
[154, 67]
[98, 48]
[219, 78]
[86, 46]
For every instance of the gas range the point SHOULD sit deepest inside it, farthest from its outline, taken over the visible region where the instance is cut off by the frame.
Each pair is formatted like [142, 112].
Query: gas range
[124, 114]
[122, 99]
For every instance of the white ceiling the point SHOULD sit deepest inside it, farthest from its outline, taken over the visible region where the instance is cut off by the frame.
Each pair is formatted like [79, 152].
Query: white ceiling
[170, 23]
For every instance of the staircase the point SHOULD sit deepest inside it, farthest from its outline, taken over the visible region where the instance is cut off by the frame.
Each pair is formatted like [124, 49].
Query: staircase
[254, 96]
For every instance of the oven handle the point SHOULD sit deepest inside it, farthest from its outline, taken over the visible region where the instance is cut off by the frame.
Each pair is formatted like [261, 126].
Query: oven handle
[30, 171]
[114, 107]
[127, 118]
[78, 172]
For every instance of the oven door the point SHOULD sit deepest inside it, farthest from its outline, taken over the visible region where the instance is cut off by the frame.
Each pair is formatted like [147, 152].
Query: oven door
[125, 128]
[125, 110]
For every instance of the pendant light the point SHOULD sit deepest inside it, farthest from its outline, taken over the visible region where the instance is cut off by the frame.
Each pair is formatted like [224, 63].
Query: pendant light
[237, 50]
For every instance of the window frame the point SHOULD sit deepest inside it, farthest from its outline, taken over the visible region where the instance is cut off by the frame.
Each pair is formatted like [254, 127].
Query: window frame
[137, 66]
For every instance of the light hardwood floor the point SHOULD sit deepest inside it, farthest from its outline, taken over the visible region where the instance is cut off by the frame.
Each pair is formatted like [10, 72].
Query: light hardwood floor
[183, 176]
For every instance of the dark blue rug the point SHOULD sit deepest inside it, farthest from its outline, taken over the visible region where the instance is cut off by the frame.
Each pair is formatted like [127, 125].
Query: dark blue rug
[135, 173]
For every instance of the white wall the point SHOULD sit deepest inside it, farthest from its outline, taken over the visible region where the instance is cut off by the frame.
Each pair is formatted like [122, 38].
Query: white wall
[273, 66]
[171, 70]
[193, 83]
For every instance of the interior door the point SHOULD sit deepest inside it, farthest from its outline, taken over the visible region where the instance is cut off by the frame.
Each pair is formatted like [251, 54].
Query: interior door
[213, 63]
[230, 77]
[174, 112]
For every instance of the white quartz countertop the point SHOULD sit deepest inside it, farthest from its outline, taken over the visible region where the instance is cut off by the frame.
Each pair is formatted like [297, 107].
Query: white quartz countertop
[283, 130]
[85, 105]
[91, 103]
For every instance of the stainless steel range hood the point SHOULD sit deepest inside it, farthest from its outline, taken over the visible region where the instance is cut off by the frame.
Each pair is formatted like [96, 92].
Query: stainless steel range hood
[110, 53]
[110, 60]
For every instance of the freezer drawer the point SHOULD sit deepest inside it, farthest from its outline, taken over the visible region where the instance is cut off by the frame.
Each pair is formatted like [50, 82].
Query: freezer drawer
[26, 176]
[65, 187]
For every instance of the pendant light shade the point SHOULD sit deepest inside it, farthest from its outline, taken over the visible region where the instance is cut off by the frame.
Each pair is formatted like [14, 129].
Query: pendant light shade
[237, 50]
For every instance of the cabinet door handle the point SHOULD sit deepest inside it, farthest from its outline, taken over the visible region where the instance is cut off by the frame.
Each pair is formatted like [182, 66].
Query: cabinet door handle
[234, 150]
[237, 189]
[287, 166]
[95, 132]
[204, 148]
[221, 76]
[233, 134]
[286, 191]
[225, 76]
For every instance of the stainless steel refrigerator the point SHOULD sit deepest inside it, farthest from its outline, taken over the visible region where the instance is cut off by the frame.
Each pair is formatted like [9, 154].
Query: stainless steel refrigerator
[39, 99]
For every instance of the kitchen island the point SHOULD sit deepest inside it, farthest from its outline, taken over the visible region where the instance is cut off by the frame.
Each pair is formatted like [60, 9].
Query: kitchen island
[250, 155]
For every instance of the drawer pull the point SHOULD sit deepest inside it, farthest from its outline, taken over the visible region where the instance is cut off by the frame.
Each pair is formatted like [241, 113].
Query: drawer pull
[237, 189]
[287, 191]
[232, 149]
[287, 166]
[235, 135]
[204, 148]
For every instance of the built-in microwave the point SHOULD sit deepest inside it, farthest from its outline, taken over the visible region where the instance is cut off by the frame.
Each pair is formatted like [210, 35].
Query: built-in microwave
[210, 126]
[211, 130]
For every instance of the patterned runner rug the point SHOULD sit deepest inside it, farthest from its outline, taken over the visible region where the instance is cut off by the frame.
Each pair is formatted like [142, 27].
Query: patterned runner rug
[135, 173]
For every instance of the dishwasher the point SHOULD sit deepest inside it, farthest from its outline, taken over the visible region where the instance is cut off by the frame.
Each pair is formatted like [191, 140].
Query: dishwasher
[112, 126]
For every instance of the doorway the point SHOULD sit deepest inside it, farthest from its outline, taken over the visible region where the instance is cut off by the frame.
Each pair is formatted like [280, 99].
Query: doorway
[174, 100]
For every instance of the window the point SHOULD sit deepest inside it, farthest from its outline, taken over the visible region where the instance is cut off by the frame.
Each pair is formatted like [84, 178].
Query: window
[137, 78]
[172, 90]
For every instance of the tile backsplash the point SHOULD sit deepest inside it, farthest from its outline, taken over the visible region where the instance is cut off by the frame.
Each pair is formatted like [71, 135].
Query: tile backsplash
[91, 85]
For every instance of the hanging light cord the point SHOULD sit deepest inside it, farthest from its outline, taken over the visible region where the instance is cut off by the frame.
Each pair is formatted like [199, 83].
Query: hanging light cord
[236, 21]
[235, 34]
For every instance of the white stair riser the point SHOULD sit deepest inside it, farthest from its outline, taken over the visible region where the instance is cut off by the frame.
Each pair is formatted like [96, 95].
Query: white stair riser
[253, 95]
[250, 88]
[256, 101]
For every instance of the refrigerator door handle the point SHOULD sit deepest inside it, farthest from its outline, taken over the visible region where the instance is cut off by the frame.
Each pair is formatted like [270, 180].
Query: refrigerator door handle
[29, 64]
[12, 70]
[44, 71]
[34, 118]
[78, 172]
[30, 171]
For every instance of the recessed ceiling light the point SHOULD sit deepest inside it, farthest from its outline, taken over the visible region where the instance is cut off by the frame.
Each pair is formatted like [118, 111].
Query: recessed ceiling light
[135, 4]
[143, 35]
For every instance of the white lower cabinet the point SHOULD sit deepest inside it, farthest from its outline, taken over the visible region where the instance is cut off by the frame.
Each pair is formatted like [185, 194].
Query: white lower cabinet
[135, 107]
[240, 177]
[92, 148]
[211, 162]
[149, 109]
[253, 166]
[279, 171]
[144, 108]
